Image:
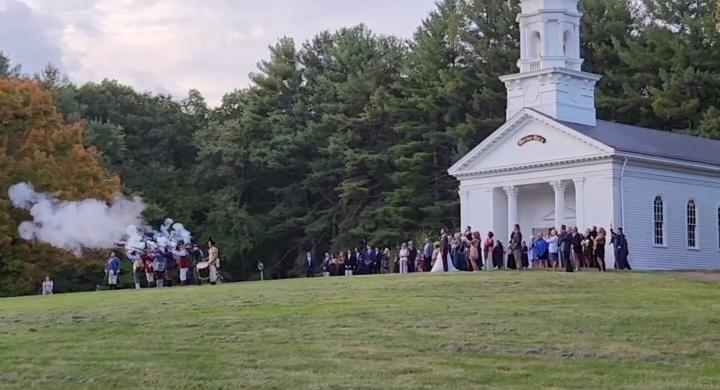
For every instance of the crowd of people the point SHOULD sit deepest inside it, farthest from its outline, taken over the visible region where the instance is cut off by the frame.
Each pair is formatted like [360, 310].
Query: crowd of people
[162, 267]
[562, 248]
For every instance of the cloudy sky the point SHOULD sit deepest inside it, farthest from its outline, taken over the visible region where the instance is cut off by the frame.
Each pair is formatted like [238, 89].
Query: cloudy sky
[171, 46]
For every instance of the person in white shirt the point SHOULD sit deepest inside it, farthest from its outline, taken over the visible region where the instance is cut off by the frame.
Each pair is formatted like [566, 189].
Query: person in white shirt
[553, 248]
[404, 253]
[47, 286]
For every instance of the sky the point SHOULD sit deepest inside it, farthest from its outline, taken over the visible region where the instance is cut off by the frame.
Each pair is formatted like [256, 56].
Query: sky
[171, 46]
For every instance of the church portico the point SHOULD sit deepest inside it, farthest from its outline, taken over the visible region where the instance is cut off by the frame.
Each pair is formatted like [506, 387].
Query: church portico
[536, 207]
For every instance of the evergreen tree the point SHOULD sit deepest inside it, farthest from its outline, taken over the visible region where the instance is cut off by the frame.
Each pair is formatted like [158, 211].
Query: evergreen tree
[7, 69]
[606, 31]
[671, 65]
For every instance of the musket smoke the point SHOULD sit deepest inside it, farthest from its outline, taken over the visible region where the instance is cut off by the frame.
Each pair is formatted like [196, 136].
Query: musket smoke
[75, 225]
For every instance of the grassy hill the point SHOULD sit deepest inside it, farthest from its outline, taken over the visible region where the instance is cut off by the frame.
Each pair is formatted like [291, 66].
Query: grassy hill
[486, 330]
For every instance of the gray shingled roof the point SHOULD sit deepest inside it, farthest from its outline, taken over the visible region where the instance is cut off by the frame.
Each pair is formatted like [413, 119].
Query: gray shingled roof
[640, 140]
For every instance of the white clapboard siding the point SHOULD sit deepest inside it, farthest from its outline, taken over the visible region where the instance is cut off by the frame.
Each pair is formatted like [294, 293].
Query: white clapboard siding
[641, 186]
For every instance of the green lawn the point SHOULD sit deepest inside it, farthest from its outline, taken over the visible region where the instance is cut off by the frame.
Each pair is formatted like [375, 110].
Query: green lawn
[488, 330]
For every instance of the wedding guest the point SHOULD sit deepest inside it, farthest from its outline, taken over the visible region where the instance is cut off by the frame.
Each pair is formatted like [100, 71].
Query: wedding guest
[525, 258]
[468, 234]
[47, 286]
[541, 251]
[309, 266]
[576, 249]
[564, 249]
[444, 247]
[428, 254]
[515, 247]
[456, 252]
[498, 255]
[475, 259]
[404, 253]
[420, 261]
[488, 250]
[587, 250]
[619, 242]
[600, 242]
[327, 260]
[532, 258]
[593, 237]
[350, 261]
[412, 257]
[387, 255]
[553, 248]
[341, 260]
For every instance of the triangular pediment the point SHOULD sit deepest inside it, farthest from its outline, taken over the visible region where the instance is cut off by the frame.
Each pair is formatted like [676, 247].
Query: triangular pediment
[529, 139]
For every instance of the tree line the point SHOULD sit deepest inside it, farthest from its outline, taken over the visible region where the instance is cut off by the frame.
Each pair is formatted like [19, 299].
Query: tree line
[342, 139]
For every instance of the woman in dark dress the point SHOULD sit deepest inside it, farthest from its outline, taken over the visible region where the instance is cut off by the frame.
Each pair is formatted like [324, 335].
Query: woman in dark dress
[498, 253]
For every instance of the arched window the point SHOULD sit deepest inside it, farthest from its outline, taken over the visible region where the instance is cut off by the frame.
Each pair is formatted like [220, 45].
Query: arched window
[536, 45]
[659, 221]
[691, 225]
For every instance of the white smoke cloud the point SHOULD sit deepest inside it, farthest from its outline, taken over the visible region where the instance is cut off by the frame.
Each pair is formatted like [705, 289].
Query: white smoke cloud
[144, 238]
[75, 225]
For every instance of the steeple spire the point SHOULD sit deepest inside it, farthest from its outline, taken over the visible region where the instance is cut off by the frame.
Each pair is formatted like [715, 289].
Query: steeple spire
[550, 79]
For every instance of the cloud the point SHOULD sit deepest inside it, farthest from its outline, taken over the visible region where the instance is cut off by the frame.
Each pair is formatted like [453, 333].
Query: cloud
[28, 37]
[211, 45]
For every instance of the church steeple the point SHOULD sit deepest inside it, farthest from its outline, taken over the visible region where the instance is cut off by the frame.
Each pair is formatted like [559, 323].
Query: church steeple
[550, 78]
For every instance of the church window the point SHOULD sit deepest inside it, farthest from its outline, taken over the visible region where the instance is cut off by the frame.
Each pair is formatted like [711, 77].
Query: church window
[566, 44]
[691, 225]
[536, 45]
[659, 220]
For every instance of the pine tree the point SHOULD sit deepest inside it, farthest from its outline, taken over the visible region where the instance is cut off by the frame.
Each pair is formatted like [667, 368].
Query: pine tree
[670, 76]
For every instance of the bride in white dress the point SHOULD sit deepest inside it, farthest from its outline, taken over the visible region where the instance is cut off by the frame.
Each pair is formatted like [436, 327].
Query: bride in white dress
[438, 266]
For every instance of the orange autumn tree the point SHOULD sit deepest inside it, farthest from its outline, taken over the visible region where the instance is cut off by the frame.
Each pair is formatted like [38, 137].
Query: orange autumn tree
[37, 146]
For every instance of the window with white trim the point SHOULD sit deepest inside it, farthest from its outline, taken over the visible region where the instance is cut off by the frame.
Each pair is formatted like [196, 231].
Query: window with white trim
[691, 225]
[659, 221]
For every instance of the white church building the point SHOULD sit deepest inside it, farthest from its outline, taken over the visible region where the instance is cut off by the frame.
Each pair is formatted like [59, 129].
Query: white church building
[554, 163]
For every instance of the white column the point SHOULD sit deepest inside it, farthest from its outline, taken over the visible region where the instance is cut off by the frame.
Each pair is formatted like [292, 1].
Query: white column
[512, 195]
[559, 188]
[580, 204]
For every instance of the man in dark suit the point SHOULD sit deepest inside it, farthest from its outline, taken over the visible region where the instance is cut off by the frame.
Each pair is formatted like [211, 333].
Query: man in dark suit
[309, 266]
[369, 259]
[576, 240]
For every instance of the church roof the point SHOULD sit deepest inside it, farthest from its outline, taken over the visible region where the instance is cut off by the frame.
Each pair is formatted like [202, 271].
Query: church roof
[640, 140]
